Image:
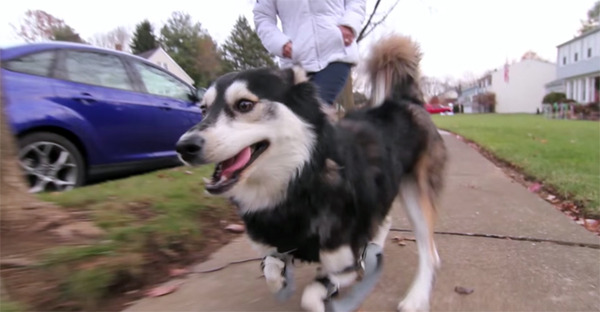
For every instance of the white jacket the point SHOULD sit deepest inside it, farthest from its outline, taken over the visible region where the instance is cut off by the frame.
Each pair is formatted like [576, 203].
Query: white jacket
[312, 27]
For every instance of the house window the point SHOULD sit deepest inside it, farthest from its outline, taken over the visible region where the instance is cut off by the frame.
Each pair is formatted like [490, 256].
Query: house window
[575, 59]
[589, 52]
[564, 60]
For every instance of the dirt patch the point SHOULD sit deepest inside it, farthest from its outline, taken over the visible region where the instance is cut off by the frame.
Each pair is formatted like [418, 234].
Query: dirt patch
[161, 263]
[26, 283]
[141, 210]
[38, 288]
[565, 204]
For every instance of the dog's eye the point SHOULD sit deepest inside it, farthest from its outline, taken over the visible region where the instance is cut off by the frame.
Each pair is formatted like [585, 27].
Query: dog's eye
[244, 106]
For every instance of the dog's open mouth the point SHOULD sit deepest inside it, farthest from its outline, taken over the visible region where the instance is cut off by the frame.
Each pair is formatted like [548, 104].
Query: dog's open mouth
[227, 172]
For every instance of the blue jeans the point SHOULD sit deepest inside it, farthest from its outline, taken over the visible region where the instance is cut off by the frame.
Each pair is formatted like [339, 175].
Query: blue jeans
[330, 80]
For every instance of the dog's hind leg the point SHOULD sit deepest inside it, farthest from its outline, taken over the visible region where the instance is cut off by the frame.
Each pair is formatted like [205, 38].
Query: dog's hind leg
[421, 212]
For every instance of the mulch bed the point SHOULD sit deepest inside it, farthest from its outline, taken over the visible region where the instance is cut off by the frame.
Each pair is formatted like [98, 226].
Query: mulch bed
[38, 288]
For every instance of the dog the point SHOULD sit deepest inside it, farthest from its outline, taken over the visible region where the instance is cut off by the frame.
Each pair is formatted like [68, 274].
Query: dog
[320, 191]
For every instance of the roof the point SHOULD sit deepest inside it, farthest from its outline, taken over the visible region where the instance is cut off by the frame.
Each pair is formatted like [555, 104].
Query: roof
[556, 82]
[148, 53]
[589, 32]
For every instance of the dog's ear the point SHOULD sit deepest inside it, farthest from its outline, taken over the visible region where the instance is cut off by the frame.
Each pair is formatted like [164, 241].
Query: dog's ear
[294, 75]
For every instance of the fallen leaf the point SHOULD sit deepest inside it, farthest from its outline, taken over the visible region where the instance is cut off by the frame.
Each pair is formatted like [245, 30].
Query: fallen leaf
[463, 291]
[535, 187]
[161, 176]
[544, 141]
[188, 172]
[235, 228]
[401, 240]
[163, 290]
[551, 197]
[175, 272]
[591, 224]
[570, 207]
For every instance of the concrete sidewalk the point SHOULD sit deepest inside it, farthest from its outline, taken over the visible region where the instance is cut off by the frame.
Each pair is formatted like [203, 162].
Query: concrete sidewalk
[506, 275]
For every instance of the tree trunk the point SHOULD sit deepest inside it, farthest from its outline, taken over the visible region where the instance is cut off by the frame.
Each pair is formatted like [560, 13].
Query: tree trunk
[346, 97]
[16, 203]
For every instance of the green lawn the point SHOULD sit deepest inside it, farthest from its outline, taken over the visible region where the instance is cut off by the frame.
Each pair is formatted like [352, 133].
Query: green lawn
[160, 212]
[563, 153]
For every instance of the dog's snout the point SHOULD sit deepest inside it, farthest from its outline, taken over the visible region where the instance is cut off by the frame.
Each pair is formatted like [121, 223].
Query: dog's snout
[190, 147]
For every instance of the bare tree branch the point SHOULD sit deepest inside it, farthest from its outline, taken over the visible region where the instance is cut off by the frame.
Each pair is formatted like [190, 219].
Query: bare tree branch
[116, 38]
[362, 31]
[371, 26]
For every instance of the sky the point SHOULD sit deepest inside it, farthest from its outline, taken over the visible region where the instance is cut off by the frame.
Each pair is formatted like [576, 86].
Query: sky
[459, 38]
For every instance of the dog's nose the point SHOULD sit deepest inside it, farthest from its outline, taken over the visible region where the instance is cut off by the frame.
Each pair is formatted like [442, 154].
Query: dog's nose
[190, 147]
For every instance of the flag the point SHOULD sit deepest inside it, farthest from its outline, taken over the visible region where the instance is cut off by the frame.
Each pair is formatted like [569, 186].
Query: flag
[506, 72]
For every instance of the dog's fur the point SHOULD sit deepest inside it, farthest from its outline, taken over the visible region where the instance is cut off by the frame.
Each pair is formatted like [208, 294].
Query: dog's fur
[322, 191]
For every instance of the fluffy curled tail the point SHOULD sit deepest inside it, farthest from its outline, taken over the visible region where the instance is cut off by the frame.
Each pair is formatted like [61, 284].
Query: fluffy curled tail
[393, 70]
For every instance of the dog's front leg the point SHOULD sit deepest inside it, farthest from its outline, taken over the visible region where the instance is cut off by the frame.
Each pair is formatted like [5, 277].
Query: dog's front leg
[277, 270]
[337, 271]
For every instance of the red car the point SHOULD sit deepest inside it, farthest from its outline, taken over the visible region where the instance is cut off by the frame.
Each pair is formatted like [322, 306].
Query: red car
[437, 109]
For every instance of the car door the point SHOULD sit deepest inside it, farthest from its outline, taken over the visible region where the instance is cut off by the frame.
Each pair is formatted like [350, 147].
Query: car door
[176, 106]
[100, 89]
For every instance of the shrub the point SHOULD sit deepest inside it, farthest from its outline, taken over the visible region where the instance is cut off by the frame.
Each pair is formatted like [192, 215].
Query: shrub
[589, 111]
[554, 97]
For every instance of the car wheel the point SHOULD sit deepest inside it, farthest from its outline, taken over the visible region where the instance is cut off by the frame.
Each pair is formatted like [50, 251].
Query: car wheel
[50, 162]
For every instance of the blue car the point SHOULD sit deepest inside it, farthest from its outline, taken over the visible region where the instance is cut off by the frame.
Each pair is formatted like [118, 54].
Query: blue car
[82, 113]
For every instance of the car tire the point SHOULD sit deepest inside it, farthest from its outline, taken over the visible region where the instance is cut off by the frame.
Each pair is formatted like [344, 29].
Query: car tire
[50, 162]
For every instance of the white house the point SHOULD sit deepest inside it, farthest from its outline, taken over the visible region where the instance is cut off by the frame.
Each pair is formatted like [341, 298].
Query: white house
[161, 58]
[578, 67]
[520, 87]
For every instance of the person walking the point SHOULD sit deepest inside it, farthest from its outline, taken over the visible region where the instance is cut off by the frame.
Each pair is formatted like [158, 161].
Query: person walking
[318, 35]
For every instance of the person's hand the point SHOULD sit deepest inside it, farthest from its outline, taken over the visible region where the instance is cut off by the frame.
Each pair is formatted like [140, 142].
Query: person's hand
[347, 34]
[287, 50]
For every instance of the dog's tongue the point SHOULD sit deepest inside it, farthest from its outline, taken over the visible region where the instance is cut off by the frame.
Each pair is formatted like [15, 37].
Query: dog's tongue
[236, 162]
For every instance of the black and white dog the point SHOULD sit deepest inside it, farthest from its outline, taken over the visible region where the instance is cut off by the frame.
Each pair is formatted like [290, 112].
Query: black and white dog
[320, 191]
